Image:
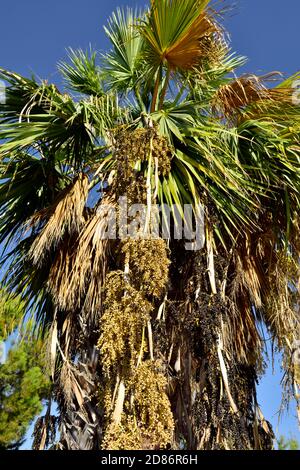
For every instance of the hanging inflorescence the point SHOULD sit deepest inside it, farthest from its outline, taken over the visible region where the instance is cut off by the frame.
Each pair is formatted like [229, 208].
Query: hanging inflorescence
[134, 150]
[137, 409]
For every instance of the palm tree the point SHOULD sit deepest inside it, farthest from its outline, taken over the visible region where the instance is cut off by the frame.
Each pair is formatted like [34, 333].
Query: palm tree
[151, 345]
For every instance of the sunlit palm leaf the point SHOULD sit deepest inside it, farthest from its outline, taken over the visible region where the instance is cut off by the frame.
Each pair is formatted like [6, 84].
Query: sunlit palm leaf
[82, 73]
[121, 64]
[173, 32]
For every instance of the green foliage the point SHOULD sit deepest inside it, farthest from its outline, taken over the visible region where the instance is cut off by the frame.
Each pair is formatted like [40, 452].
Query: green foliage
[82, 74]
[122, 63]
[23, 379]
[11, 312]
[287, 444]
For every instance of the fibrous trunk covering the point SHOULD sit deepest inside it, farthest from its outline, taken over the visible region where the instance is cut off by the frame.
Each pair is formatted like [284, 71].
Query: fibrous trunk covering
[213, 391]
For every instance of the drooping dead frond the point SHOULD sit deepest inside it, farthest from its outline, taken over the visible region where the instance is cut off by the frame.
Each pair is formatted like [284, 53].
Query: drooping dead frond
[246, 294]
[64, 216]
[77, 392]
[44, 432]
[282, 316]
[70, 385]
[59, 277]
[240, 332]
[78, 270]
[90, 264]
[250, 266]
[282, 300]
[266, 287]
[245, 91]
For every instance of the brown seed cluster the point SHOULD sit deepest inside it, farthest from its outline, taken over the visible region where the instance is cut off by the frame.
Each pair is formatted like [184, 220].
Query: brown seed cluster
[133, 151]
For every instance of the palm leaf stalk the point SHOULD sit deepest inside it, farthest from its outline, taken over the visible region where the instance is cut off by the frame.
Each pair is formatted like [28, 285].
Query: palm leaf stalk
[153, 346]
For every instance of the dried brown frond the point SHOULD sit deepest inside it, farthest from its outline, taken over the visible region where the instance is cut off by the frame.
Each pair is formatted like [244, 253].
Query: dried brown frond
[248, 90]
[266, 286]
[238, 94]
[66, 382]
[78, 270]
[44, 431]
[282, 316]
[64, 216]
[247, 293]
[282, 95]
[76, 383]
[59, 275]
[250, 276]
[282, 300]
[241, 337]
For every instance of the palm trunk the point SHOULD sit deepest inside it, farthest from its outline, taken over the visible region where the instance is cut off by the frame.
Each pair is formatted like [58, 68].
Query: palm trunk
[81, 417]
[78, 385]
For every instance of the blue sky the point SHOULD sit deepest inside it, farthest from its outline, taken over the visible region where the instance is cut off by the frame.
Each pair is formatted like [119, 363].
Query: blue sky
[34, 36]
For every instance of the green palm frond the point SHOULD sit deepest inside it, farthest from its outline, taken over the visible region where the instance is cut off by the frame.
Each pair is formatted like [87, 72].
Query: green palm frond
[175, 119]
[44, 115]
[81, 73]
[122, 63]
[28, 185]
[173, 32]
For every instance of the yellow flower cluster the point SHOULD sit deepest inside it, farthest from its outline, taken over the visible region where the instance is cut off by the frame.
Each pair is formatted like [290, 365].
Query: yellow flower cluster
[148, 421]
[134, 388]
[149, 265]
[126, 313]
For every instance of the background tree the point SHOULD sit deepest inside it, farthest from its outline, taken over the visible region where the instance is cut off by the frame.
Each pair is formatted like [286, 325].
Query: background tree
[152, 345]
[287, 444]
[23, 378]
